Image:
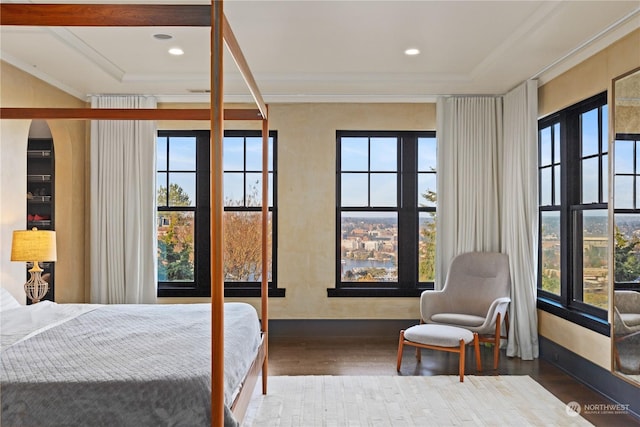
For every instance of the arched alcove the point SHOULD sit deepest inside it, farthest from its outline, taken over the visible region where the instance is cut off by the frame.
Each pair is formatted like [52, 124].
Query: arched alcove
[40, 197]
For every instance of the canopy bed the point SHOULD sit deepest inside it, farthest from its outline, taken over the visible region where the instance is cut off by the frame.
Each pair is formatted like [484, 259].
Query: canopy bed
[112, 15]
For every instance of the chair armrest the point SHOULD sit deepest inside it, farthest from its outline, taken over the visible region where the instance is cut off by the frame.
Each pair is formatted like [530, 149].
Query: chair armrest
[498, 306]
[432, 302]
[627, 301]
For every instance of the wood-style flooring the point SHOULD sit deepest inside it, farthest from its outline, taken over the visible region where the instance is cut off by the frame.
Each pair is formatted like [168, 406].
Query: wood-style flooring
[377, 356]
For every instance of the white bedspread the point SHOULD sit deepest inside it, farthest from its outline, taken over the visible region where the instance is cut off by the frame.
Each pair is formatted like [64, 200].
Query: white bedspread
[26, 321]
[125, 365]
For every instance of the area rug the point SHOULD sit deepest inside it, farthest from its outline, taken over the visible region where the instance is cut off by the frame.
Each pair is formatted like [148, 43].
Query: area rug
[396, 401]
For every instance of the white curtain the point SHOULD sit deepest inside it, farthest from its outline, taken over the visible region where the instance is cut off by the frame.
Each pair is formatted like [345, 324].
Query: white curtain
[487, 195]
[469, 178]
[123, 232]
[520, 216]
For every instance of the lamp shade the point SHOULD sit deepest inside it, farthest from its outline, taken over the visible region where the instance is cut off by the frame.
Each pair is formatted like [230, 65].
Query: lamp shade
[33, 245]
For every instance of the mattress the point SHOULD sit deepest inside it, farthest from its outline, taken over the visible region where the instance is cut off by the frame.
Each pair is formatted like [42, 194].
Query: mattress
[125, 365]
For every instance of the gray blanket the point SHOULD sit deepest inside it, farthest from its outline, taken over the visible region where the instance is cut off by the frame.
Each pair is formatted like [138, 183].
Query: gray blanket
[126, 365]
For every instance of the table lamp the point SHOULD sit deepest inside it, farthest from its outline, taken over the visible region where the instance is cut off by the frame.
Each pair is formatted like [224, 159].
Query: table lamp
[34, 246]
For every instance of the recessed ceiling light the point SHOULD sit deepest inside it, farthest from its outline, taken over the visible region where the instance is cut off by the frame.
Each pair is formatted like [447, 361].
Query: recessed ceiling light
[176, 51]
[412, 51]
[161, 36]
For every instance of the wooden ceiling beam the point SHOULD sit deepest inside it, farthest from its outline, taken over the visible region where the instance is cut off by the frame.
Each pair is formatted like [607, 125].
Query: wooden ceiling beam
[105, 15]
[125, 114]
[237, 55]
[129, 15]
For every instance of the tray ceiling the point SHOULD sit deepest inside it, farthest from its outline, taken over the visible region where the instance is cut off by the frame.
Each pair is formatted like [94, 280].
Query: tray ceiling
[332, 51]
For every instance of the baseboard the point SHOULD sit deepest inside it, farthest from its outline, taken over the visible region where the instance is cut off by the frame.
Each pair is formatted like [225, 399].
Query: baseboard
[593, 376]
[296, 328]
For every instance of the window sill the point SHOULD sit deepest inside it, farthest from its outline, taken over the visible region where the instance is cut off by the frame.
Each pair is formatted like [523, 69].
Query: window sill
[253, 292]
[228, 292]
[374, 292]
[585, 320]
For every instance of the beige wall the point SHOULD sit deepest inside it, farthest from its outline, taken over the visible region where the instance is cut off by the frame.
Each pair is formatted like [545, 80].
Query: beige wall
[586, 79]
[21, 90]
[590, 77]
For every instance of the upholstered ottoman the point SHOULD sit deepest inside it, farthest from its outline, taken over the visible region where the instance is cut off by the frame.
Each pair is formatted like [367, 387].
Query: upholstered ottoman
[440, 337]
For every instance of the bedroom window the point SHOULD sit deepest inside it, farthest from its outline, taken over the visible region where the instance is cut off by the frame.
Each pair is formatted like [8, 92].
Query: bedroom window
[242, 164]
[183, 213]
[627, 212]
[572, 178]
[385, 211]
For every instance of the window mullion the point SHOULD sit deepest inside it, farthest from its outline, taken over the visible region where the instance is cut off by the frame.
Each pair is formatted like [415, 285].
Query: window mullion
[407, 211]
[568, 174]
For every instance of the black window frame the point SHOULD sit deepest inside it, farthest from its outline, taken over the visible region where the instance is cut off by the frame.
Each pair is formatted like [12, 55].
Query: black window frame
[252, 289]
[407, 210]
[570, 203]
[201, 286]
[635, 209]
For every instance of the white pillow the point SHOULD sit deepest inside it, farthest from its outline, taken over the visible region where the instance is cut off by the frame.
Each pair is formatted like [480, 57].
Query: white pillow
[7, 301]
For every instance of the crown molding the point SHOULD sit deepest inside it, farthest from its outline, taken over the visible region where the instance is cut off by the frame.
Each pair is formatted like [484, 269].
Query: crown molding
[599, 42]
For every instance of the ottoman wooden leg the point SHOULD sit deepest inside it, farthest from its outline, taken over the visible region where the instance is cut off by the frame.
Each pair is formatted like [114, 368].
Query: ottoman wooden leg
[400, 347]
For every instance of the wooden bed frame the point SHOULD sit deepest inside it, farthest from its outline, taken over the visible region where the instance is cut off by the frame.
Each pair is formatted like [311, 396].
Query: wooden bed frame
[145, 15]
[241, 402]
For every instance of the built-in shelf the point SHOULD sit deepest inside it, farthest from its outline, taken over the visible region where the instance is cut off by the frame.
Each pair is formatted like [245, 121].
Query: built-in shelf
[39, 153]
[38, 178]
[38, 199]
[40, 195]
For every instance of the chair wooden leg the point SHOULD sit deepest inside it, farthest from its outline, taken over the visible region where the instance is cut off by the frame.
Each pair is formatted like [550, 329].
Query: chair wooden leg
[400, 347]
[476, 347]
[506, 323]
[496, 344]
[462, 352]
[418, 350]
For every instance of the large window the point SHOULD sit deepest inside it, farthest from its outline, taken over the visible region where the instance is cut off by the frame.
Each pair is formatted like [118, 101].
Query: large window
[627, 212]
[242, 165]
[183, 194]
[573, 182]
[385, 212]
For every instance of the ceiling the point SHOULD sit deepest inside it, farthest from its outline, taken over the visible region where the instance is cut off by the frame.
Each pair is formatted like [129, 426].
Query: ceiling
[331, 51]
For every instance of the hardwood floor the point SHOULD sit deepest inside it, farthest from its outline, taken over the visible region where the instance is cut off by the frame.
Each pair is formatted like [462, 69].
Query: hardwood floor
[377, 356]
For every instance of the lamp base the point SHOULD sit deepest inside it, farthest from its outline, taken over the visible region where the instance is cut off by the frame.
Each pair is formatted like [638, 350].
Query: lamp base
[36, 288]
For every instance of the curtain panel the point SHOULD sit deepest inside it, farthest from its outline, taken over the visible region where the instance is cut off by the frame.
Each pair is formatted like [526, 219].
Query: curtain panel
[487, 195]
[123, 212]
[520, 216]
[469, 178]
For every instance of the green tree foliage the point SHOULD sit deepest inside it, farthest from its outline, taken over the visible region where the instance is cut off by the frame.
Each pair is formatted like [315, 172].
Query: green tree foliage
[175, 236]
[626, 262]
[551, 284]
[176, 196]
[427, 245]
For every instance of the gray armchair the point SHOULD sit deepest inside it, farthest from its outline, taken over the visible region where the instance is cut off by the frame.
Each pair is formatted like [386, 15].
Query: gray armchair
[626, 330]
[627, 312]
[476, 296]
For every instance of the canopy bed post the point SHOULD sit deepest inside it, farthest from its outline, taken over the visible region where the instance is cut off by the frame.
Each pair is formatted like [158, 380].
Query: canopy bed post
[217, 232]
[107, 15]
[264, 290]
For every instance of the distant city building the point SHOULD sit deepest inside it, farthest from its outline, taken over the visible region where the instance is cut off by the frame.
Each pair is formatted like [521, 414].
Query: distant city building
[350, 244]
[373, 245]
